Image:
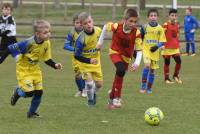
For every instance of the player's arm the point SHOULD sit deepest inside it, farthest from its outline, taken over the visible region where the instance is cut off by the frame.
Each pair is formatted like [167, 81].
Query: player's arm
[18, 48]
[52, 64]
[106, 28]
[79, 50]
[138, 50]
[68, 45]
[195, 26]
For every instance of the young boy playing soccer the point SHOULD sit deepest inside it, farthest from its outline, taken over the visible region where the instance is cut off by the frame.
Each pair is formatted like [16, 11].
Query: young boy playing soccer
[7, 28]
[28, 53]
[88, 57]
[153, 38]
[70, 46]
[171, 47]
[190, 25]
[125, 39]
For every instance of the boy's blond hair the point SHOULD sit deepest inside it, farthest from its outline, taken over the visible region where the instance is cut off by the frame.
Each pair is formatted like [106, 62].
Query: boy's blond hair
[39, 25]
[82, 16]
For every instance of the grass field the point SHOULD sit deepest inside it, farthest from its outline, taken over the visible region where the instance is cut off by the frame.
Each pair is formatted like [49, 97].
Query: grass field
[62, 113]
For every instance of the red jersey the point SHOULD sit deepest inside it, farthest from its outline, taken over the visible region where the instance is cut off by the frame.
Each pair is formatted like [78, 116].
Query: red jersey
[172, 36]
[122, 42]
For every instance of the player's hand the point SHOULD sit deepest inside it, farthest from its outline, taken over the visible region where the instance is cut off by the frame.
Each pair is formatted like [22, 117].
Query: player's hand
[134, 67]
[99, 47]
[192, 31]
[162, 48]
[153, 48]
[58, 66]
[93, 61]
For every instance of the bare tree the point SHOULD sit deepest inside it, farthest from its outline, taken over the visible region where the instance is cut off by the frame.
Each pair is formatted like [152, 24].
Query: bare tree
[15, 3]
[83, 3]
[124, 3]
[142, 4]
[57, 3]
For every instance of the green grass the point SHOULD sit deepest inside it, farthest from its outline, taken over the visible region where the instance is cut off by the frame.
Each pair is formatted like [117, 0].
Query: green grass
[62, 113]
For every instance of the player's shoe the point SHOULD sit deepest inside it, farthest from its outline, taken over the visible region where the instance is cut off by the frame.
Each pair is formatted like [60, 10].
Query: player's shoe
[149, 91]
[168, 81]
[142, 91]
[84, 93]
[117, 102]
[193, 54]
[33, 115]
[78, 94]
[185, 54]
[93, 101]
[177, 79]
[14, 98]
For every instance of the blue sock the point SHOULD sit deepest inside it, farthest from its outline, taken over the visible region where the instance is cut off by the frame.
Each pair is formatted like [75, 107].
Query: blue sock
[150, 80]
[193, 47]
[35, 103]
[145, 73]
[79, 83]
[82, 83]
[20, 92]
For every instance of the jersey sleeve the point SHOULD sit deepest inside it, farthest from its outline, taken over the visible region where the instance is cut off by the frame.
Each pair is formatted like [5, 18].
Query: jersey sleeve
[18, 48]
[138, 41]
[68, 45]
[164, 26]
[110, 26]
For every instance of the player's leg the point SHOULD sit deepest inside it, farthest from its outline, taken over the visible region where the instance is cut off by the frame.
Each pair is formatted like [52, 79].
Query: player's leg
[187, 48]
[80, 83]
[4, 54]
[36, 100]
[177, 59]
[166, 69]
[145, 73]
[192, 44]
[154, 65]
[121, 67]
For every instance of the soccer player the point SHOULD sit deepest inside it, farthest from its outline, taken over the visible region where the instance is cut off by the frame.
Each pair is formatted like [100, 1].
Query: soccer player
[88, 57]
[171, 47]
[153, 38]
[28, 53]
[125, 39]
[69, 45]
[190, 25]
[7, 29]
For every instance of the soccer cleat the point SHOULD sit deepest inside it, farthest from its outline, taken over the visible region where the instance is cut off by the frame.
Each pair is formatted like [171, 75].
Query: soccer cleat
[92, 102]
[185, 54]
[168, 81]
[14, 97]
[193, 54]
[117, 102]
[177, 79]
[149, 91]
[84, 93]
[78, 94]
[33, 115]
[142, 91]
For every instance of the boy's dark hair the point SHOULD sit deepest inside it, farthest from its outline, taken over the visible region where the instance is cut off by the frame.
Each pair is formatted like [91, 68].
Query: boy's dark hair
[172, 11]
[152, 10]
[7, 5]
[190, 9]
[75, 17]
[130, 12]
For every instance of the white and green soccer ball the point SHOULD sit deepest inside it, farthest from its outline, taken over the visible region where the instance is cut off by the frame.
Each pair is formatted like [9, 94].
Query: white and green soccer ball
[153, 116]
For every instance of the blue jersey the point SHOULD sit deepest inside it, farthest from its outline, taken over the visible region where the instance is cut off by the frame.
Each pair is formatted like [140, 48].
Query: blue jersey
[190, 22]
[70, 40]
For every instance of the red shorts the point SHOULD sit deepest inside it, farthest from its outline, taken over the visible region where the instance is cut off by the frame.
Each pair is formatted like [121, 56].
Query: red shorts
[117, 58]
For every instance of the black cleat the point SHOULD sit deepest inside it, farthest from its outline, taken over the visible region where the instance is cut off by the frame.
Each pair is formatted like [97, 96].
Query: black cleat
[33, 115]
[14, 98]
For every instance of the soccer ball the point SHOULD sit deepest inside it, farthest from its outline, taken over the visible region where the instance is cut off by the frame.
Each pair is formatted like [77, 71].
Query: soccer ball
[153, 116]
